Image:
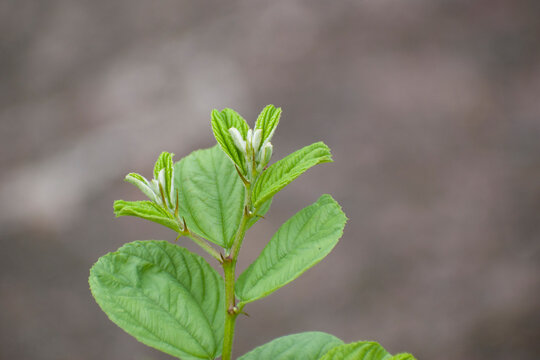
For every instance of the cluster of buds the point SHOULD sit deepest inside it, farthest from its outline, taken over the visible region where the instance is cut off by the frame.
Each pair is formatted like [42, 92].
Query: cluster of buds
[160, 189]
[257, 153]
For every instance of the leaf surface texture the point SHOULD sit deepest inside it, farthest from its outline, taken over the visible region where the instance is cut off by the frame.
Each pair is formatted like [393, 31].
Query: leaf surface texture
[300, 243]
[163, 295]
[284, 171]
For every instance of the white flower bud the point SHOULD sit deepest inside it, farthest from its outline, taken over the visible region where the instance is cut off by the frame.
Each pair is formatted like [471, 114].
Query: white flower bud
[256, 141]
[161, 178]
[237, 138]
[155, 189]
[164, 185]
[265, 155]
[143, 185]
[249, 145]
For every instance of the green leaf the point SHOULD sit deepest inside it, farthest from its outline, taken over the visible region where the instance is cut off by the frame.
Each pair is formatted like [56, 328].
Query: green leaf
[283, 172]
[305, 346]
[300, 243]
[211, 195]
[268, 121]
[146, 210]
[222, 121]
[363, 350]
[164, 296]
[403, 356]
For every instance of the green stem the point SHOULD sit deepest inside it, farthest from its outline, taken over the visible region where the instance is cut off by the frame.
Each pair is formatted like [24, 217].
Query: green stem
[199, 240]
[237, 243]
[240, 235]
[230, 311]
[229, 268]
[204, 245]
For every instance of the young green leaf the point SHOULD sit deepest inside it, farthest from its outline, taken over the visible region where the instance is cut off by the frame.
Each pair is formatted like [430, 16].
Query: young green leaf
[305, 346]
[363, 350]
[268, 121]
[164, 296]
[283, 172]
[211, 195]
[222, 121]
[146, 210]
[300, 243]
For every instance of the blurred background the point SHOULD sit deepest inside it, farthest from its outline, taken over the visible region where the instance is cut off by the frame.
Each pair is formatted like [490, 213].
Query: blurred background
[431, 108]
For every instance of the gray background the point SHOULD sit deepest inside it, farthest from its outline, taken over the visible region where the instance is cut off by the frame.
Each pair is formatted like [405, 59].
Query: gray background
[431, 108]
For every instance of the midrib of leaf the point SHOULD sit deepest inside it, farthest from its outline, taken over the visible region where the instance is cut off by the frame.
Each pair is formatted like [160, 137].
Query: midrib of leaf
[169, 257]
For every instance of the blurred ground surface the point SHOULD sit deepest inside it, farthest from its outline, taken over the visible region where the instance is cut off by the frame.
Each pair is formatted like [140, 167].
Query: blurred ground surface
[431, 109]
